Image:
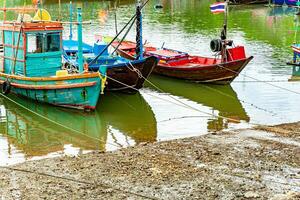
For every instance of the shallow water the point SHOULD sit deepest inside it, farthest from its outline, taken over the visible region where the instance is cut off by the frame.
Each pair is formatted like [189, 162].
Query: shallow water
[122, 120]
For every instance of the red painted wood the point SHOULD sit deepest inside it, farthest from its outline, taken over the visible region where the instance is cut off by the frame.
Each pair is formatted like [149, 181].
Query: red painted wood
[194, 68]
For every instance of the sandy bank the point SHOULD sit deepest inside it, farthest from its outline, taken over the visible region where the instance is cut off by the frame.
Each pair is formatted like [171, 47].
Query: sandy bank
[242, 164]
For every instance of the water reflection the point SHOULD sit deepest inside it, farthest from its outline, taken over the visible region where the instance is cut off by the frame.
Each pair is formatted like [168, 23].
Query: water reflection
[121, 120]
[221, 99]
[282, 10]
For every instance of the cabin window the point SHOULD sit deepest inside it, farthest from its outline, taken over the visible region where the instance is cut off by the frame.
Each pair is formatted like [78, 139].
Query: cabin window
[43, 42]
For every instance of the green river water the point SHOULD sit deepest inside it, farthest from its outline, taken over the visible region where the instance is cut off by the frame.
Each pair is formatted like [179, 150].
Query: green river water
[122, 120]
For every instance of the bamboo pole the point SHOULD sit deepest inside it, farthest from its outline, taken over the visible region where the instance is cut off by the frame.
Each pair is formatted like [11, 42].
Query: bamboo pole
[71, 20]
[18, 44]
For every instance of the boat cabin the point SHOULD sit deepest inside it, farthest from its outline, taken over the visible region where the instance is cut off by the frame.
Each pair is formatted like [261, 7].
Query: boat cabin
[32, 49]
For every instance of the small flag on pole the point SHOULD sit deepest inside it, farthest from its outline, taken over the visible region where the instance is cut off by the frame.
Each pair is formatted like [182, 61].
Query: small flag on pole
[218, 7]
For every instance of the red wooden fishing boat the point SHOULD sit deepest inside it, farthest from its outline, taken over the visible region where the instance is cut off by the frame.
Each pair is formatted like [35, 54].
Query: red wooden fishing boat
[221, 69]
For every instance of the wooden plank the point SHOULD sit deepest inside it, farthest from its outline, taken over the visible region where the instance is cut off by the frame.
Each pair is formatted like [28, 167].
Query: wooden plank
[53, 87]
[52, 78]
[11, 46]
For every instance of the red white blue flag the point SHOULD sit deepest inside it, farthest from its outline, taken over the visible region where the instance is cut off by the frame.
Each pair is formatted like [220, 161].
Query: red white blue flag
[218, 7]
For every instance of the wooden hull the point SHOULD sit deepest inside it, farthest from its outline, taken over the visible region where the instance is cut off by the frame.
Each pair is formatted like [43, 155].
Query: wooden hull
[126, 79]
[222, 73]
[72, 91]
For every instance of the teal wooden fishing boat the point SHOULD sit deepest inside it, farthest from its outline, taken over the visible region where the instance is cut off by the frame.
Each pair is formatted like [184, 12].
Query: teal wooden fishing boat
[32, 66]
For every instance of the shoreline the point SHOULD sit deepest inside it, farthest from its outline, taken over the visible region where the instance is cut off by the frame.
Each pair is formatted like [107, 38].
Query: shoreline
[256, 163]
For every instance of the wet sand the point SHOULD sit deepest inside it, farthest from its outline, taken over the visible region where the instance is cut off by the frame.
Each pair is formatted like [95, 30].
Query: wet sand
[258, 163]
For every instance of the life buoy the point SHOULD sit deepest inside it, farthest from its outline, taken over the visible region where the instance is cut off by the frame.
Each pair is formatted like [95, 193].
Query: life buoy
[6, 87]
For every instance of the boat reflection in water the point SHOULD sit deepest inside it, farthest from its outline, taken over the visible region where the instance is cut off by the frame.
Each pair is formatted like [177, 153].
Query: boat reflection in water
[221, 98]
[281, 11]
[116, 123]
[129, 114]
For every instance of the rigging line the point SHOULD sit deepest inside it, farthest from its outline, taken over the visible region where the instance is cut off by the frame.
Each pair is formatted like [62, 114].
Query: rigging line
[103, 185]
[282, 88]
[57, 123]
[106, 47]
[123, 38]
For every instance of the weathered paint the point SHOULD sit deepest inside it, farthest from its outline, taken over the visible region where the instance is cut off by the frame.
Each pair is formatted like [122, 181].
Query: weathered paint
[67, 93]
[43, 64]
[13, 51]
[40, 66]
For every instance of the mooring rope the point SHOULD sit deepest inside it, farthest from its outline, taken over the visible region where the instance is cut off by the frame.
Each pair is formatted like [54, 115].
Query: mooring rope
[182, 104]
[268, 83]
[251, 104]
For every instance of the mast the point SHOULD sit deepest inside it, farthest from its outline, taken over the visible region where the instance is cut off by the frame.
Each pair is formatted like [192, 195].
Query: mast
[79, 32]
[139, 31]
[224, 33]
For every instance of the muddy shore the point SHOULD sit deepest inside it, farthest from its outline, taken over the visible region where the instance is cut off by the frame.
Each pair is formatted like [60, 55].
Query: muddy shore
[258, 163]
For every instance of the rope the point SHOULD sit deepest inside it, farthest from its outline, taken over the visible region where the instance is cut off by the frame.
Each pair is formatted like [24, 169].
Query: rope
[76, 181]
[132, 18]
[123, 38]
[282, 88]
[251, 104]
[182, 104]
[57, 123]
[268, 81]
[271, 112]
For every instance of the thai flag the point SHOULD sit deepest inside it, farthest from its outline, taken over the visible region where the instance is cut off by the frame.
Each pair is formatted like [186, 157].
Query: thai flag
[218, 7]
[296, 49]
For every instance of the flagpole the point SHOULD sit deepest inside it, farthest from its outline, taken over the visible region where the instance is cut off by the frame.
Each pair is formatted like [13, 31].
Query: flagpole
[225, 18]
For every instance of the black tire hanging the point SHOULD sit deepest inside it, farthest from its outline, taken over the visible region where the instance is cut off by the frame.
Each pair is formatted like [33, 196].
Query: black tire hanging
[6, 87]
[216, 45]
